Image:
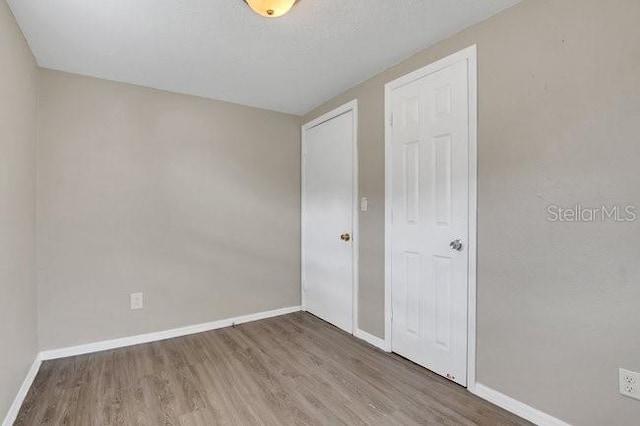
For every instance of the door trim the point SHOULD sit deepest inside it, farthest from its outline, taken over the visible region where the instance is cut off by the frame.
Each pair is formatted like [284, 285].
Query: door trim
[351, 106]
[470, 55]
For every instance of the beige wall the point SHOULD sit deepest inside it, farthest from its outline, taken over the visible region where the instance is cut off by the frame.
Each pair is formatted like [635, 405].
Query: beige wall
[193, 202]
[18, 315]
[559, 102]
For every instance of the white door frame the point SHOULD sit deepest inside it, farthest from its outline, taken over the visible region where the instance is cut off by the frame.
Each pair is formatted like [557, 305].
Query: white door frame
[470, 55]
[343, 109]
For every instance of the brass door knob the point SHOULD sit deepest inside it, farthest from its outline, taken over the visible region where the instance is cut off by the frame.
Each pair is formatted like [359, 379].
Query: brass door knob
[345, 237]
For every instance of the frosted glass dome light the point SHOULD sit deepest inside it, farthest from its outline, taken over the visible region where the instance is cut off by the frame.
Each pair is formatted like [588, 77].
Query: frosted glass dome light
[271, 8]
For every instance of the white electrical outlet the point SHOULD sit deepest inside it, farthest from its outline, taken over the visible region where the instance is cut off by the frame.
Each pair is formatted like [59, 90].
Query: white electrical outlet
[137, 301]
[629, 383]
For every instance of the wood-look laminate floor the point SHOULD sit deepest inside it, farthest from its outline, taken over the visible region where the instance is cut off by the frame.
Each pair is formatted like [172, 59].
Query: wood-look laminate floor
[294, 369]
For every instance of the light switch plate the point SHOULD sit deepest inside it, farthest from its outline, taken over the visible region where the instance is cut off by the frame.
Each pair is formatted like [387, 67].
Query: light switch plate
[364, 204]
[137, 301]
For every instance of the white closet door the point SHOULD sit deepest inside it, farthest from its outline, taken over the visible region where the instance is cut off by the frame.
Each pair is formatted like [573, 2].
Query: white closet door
[328, 200]
[430, 210]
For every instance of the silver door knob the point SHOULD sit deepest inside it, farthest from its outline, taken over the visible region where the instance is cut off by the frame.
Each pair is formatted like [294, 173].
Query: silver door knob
[456, 245]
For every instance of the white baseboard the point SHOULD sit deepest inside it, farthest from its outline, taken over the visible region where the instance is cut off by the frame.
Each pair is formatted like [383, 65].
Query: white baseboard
[161, 335]
[22, 392]
[516, 407]
[371, 339]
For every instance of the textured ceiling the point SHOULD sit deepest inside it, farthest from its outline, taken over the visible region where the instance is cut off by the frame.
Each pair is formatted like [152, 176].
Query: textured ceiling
[220, 49]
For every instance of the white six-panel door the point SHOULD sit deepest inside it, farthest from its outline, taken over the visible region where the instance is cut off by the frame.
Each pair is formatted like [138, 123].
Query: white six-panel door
[429, 229]
[328, 216]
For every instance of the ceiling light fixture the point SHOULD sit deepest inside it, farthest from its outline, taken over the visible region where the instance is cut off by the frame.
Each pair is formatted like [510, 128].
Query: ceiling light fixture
[271, 8]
